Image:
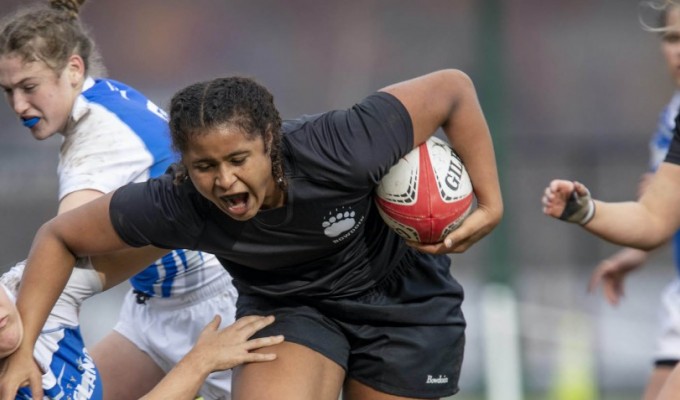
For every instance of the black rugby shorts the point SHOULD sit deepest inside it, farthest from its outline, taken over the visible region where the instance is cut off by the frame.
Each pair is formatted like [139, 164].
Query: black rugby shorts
[404, 337]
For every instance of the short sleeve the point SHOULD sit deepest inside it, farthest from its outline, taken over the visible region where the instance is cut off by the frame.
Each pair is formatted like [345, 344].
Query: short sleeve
[353, 147]
[101, 154]
[157, 212]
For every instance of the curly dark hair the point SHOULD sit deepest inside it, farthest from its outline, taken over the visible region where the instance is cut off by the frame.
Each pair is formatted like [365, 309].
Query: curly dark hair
[50, 33]
[237, 101]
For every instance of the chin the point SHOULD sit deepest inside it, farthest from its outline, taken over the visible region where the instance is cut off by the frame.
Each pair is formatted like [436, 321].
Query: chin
[241, 217]
[42, 136]
[9, 346]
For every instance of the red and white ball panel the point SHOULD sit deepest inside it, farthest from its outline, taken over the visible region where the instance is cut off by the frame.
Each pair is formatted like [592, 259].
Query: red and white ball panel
[427, 194]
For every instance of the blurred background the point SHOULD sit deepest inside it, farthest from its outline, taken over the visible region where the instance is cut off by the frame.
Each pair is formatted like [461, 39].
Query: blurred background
[571, 89]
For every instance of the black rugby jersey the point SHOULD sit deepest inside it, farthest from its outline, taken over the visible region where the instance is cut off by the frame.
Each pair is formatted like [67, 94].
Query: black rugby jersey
[673, 155]
[327, 240]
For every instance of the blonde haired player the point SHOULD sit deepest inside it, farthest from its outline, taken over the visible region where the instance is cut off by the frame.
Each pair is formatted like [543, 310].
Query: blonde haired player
[612, 271]
[112, 135]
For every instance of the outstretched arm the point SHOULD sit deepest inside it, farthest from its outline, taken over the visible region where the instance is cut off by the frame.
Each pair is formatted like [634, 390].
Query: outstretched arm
[215, 350]
[447, 99]
[644, 224]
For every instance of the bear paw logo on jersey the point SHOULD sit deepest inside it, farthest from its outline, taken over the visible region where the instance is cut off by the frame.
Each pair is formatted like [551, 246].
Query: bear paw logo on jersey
[338, 222]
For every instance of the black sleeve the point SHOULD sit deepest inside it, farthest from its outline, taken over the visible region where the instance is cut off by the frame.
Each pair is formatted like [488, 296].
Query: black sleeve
[353, 147]
[673, 155]
[157, 212]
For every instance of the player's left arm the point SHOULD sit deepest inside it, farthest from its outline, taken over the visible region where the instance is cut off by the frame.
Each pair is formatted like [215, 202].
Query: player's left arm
[447, 99]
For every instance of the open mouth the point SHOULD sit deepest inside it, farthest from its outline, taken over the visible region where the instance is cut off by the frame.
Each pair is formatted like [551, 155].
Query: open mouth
[236, 203]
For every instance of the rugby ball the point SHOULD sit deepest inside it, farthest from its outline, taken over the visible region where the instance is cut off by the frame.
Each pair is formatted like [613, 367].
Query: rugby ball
[427, 194]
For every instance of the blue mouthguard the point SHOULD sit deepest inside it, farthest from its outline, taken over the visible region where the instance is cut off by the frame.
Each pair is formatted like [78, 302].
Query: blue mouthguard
[30, 123]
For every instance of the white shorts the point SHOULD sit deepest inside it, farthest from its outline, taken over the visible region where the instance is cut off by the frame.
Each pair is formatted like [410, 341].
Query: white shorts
[668, 339]
[167, 328]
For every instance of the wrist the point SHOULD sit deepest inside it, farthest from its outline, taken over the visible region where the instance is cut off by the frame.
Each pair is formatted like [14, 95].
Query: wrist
[579, 208]
[590, 213]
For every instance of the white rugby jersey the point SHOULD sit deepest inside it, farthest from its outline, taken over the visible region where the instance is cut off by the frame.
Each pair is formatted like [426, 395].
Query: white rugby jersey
[116, 136]
[69, 372]
[658, 148]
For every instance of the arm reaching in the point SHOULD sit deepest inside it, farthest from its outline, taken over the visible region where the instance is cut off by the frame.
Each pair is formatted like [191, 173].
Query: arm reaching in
[215, 350]
[612, 271]
[644, 224]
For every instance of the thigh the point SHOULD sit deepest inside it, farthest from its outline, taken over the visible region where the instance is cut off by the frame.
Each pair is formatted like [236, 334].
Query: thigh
[298, 373]
[671, 386]
[126, 371]
[656, 381]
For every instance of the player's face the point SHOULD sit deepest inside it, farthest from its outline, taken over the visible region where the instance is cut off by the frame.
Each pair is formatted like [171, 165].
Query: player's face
[233, 171]
[34, 90]
[670, 44]
[11, 328]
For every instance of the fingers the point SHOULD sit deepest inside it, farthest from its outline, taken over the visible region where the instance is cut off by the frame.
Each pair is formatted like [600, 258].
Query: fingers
[595, 279]
[264, 342]
[580, 189]
[253, 323]
[612, 292]
[476, 226]
[214, 324]
[610, 277]
[36, 387]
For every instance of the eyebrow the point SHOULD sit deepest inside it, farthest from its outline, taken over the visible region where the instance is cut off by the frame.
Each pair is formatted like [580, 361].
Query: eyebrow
[18, 83]
[230, 155]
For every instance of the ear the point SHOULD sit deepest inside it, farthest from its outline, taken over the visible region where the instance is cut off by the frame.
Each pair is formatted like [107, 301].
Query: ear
[75, 70]
[268, 139]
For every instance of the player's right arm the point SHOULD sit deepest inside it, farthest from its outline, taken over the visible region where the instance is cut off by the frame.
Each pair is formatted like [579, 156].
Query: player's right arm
[80, 232]
[644, 224]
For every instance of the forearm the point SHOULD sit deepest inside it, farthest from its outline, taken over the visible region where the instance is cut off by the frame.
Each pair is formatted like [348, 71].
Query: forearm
[182, 382]
[469, 134]
[48, 268]
[477, 153]
[630, 256]
[629, 224]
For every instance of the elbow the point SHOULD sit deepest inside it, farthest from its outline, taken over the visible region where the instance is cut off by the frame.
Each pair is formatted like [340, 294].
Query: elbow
[456, 79]
[50, 236]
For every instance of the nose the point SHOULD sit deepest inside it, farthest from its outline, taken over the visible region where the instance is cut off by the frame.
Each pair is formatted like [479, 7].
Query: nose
[225, 178]
[18, 102]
